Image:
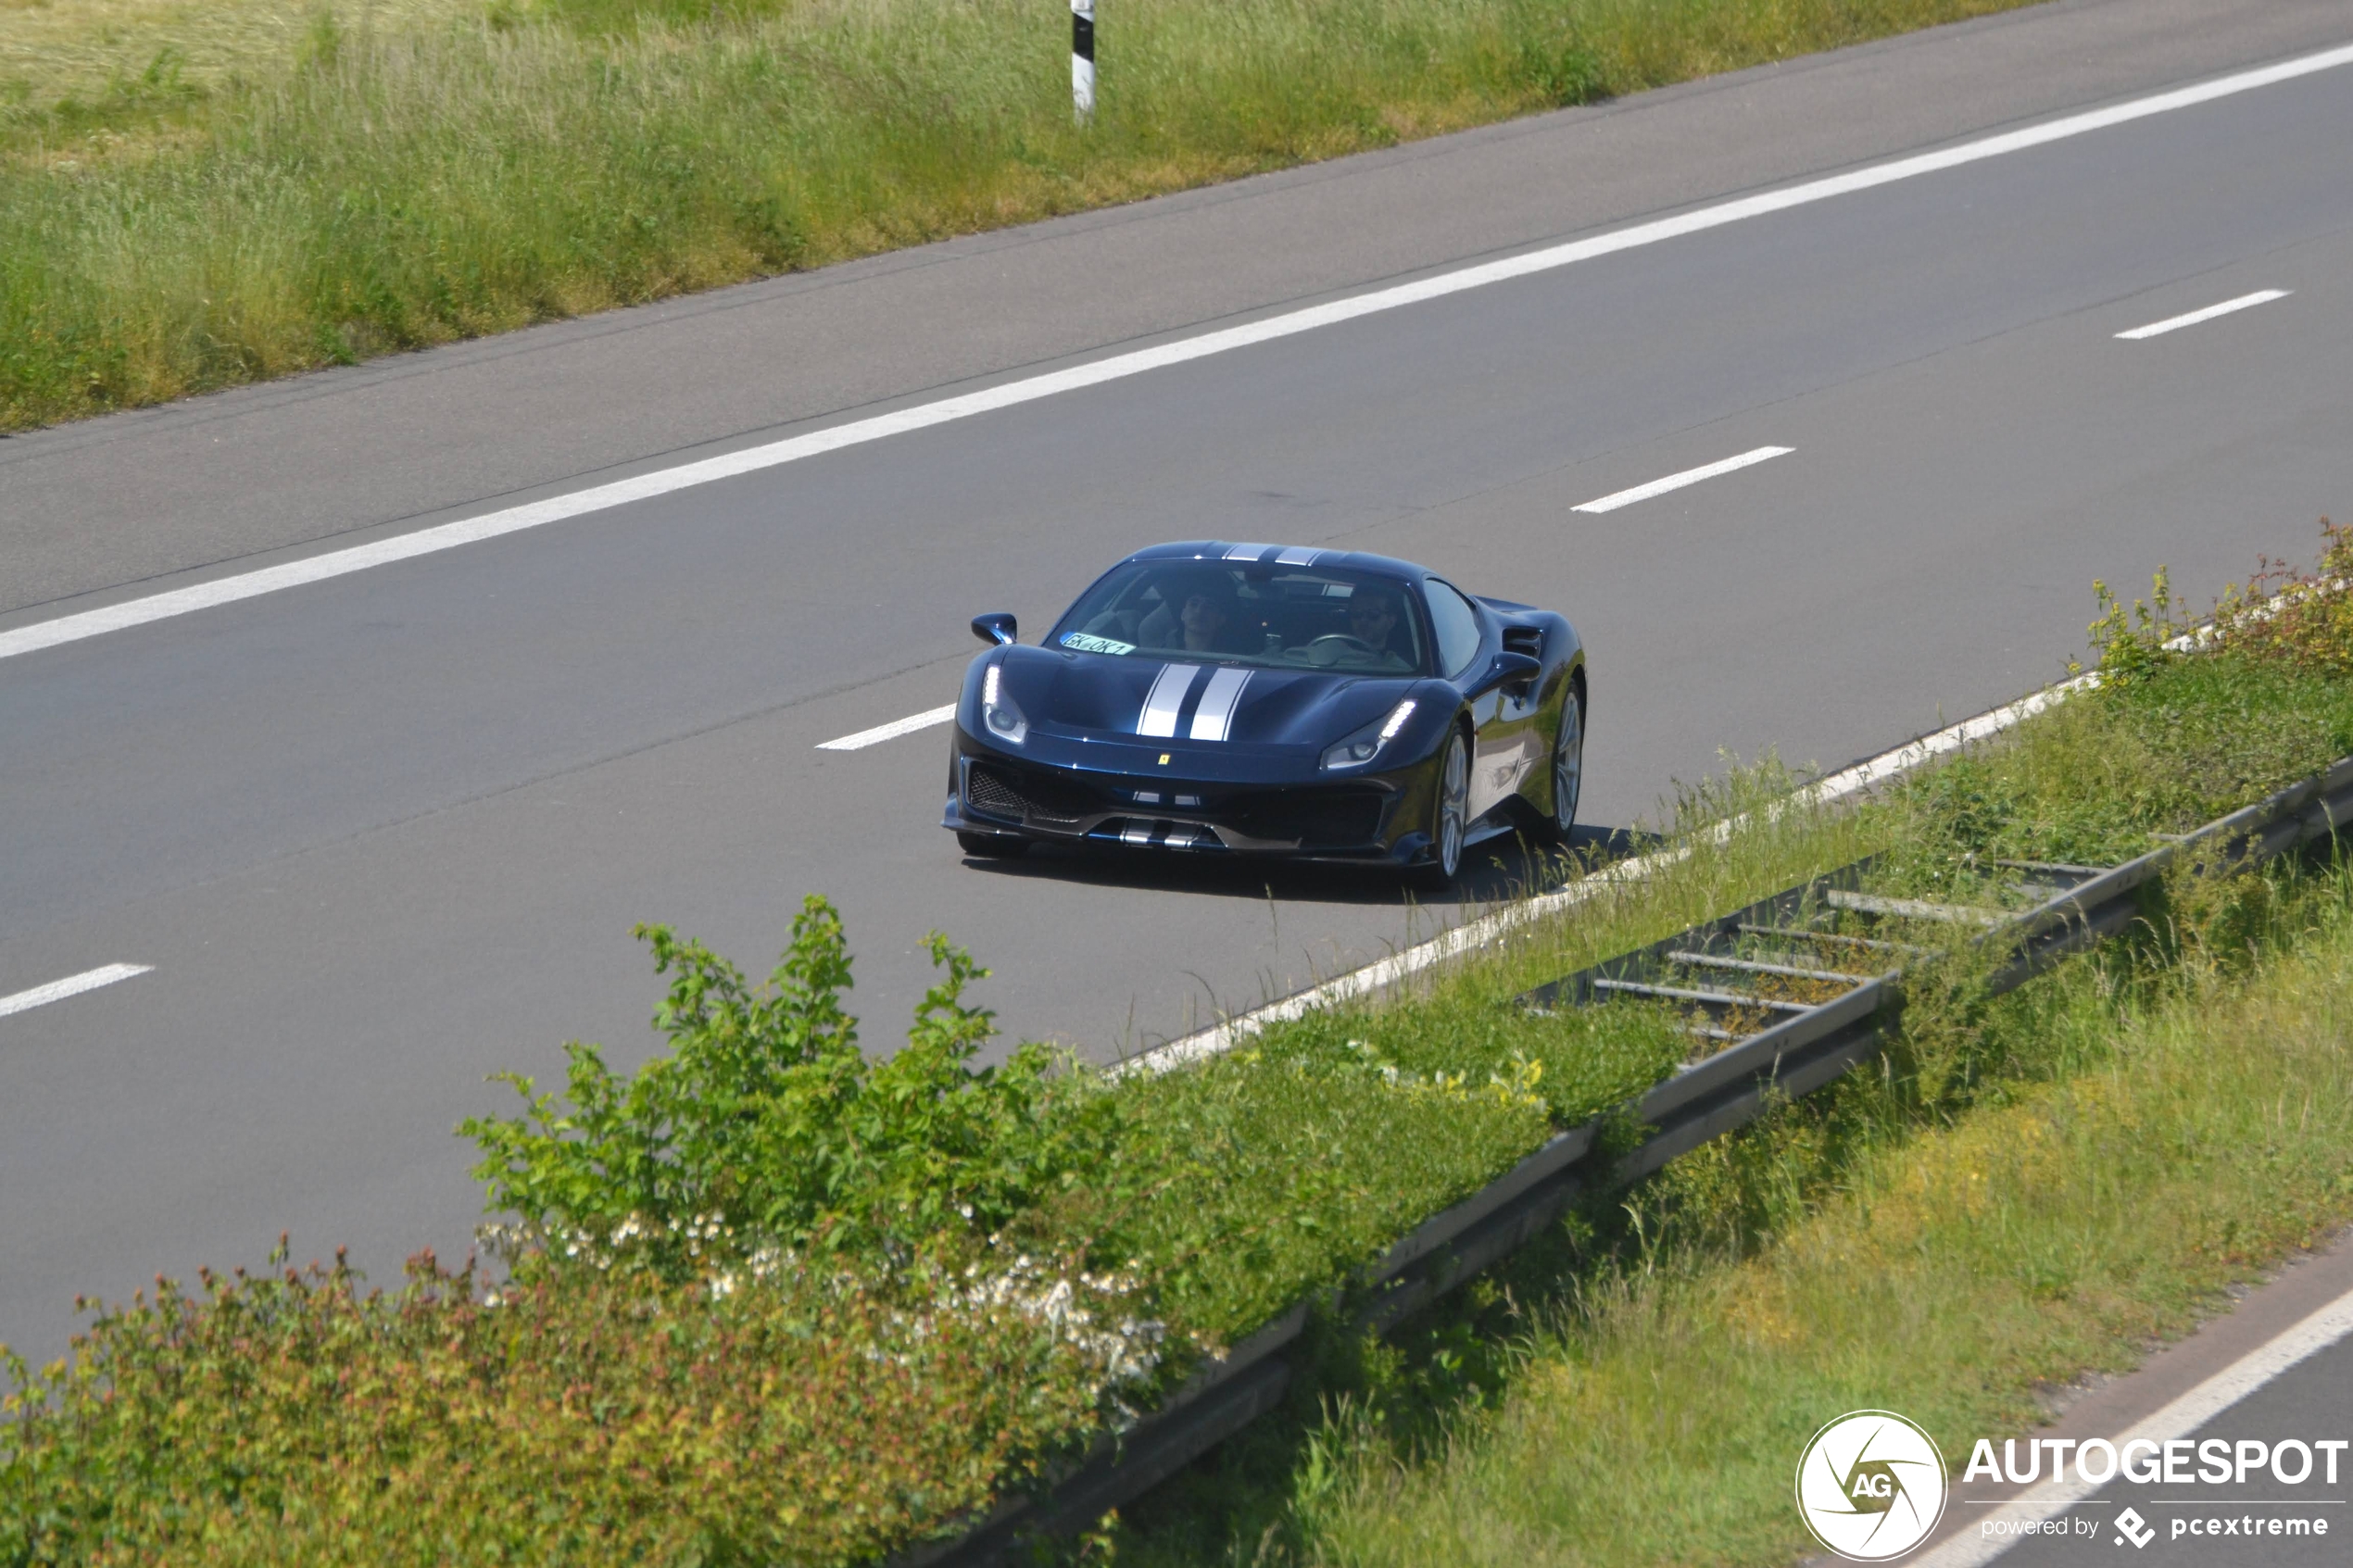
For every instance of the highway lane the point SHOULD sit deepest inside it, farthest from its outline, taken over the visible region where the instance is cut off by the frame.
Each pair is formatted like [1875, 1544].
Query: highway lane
[382, 835]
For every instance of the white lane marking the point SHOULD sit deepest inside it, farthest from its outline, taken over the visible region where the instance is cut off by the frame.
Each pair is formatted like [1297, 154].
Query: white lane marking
[891, 731]
[1474, 934]
[535, 514]
[2173, 323]
[71, 986]
[1610, 503]
[2177, 1419]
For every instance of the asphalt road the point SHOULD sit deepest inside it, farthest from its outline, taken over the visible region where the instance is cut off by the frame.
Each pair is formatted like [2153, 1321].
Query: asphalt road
[381, 835]
[2288, 1401]
[2307, 1406]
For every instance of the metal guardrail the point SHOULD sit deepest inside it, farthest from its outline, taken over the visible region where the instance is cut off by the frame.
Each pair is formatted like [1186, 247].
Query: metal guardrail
[1726, 976]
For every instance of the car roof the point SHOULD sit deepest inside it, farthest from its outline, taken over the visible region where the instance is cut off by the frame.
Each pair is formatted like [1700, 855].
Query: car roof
[1284, 554]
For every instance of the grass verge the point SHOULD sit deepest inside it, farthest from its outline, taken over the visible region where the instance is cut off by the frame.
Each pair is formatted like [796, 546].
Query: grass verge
[192, 196]
[2152, 1138]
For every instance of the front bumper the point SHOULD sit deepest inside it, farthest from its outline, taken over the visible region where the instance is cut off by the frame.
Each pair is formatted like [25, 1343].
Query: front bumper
[1357, 819]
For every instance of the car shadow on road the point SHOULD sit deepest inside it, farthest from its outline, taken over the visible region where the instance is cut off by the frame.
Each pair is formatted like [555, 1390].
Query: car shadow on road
[1499, 870]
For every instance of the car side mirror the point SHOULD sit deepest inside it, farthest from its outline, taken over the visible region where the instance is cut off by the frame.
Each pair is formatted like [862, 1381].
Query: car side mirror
[997, 629]
[1508, 670]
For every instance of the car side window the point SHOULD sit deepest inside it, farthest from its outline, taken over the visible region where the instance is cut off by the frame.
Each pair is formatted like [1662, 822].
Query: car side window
[1456, 624]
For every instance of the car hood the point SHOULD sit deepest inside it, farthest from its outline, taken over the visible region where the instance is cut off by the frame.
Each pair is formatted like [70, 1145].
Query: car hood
[1193, 703]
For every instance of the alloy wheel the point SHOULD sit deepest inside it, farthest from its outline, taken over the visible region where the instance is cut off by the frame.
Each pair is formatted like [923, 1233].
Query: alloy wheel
[1568, 761]
[1454, 801]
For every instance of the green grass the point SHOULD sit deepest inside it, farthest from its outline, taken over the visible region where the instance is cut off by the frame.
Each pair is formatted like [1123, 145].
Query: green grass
[195, 196]
[2151, 1139]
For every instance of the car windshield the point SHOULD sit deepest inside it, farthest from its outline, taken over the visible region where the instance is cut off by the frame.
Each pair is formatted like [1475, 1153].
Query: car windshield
[1280, 617]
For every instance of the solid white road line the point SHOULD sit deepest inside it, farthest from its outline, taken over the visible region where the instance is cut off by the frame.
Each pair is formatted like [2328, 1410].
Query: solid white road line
[71, 986]
[336, 563]
[1610, 503]
[2177, 1419]
[891, 731]
[2173, 323]
[1473, 935]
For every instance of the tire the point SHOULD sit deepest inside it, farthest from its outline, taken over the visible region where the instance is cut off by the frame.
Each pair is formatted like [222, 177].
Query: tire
[1568, 765]
[992, 847]
[1449, 818]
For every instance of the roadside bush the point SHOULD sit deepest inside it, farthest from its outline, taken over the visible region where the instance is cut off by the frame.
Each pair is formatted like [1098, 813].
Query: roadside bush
[2303, 620]
[295, 1417]
[765, 1124]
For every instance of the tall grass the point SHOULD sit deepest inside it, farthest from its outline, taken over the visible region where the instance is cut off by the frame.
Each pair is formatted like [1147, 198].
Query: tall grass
[366, 182]
[2153, 1143]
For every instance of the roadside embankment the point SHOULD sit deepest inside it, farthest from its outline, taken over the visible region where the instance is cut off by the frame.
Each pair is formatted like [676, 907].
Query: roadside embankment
[2141, 1139]
[197, 198]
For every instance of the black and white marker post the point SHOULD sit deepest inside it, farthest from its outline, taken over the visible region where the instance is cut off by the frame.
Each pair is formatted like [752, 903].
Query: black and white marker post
[1082, 60]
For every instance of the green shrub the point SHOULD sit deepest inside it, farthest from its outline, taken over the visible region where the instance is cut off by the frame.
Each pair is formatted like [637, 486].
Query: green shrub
[765, 1124]
[814, 1416]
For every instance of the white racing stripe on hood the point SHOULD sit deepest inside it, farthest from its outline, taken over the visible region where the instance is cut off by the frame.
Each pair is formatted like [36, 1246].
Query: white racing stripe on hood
[1213, 719]
[1166, 696]
[1298, 555]
[1247, 552]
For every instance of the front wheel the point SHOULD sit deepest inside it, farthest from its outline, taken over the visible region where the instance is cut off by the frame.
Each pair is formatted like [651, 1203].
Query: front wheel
[990, 846]
[1568, 765]
[1448, 818]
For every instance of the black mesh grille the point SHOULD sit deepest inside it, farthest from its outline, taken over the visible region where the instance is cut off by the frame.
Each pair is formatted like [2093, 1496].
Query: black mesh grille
[1020, 795]
[988, 793]
[1324, 817]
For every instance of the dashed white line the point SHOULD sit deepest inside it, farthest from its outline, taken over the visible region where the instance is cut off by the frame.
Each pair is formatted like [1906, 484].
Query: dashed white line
[1610, 503]
[2174, 324]
[491, 525]
[71, 986]
[891, 731]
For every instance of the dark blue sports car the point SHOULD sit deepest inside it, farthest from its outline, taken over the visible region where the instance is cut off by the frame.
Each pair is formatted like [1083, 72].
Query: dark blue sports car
[1254, 699]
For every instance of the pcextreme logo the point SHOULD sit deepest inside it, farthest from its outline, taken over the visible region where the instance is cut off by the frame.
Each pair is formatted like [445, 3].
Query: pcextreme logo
[1870, 1485]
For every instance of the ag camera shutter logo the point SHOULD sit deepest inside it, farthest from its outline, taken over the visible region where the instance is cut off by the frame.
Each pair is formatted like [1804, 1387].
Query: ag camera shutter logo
[1871, 1486]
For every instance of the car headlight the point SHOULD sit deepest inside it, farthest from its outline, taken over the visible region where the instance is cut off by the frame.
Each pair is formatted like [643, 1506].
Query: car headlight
[1369, 741]
[998, 713]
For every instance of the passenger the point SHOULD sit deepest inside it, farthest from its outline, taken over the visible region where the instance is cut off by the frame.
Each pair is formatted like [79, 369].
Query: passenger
[1205, 618]
[1372, 616]
[1197, 614]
